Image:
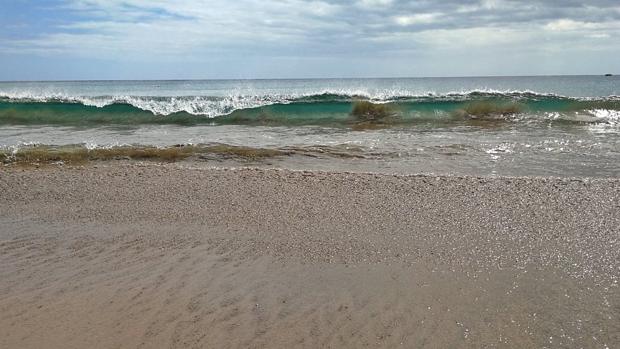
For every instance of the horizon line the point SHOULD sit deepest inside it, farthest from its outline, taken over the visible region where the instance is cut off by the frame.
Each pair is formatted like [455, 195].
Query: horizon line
[312, 78]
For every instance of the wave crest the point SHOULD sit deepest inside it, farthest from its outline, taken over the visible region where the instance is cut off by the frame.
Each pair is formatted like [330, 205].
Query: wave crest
[214, 106]
[325, 106]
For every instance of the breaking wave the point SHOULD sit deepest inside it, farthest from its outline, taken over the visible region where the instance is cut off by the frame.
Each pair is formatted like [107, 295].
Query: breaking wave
[324, 107]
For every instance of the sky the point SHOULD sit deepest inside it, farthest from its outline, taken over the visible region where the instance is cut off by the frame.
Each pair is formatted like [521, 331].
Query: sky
[216, 39]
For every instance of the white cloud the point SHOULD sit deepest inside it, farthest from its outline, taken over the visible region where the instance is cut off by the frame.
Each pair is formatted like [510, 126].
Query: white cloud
[475, 37]
[599, 36]
[574, 30]
[423, 18]
[569, 25]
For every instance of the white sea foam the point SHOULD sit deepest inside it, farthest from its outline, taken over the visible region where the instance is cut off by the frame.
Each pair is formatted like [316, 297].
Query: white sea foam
[198, 105]
[609, 116]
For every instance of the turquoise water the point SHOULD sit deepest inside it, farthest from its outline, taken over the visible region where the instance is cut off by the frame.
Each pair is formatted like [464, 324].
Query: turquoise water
[307, 110]
[564, 126]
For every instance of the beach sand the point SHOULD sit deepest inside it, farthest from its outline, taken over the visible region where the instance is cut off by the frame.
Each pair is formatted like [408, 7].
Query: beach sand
[127, 255]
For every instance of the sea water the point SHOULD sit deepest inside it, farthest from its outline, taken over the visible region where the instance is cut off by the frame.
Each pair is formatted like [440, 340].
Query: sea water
[552, 125]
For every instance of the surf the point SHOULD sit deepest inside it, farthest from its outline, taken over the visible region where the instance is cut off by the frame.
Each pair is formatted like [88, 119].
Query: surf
[327, 107]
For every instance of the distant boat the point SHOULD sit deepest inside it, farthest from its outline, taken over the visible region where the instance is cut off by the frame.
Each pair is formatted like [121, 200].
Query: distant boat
[609, 74]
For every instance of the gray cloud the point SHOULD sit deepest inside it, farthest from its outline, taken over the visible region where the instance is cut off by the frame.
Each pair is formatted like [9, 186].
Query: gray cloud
[365, 31]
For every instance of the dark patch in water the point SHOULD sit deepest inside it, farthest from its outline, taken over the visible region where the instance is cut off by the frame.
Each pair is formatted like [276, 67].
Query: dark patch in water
[76, 154]
[365, 111]
[490, 110]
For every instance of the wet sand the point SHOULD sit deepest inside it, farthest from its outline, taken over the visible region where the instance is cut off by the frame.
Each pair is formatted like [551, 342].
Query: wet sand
[123, 255]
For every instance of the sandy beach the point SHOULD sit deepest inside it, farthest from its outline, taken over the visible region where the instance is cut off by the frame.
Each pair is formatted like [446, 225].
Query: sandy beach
[129, 255]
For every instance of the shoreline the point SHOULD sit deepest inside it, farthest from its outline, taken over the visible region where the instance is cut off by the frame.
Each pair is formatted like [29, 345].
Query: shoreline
[149, 255]
[256, 164]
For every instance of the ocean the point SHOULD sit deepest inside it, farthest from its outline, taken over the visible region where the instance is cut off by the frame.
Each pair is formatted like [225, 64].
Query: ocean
[562, 126]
